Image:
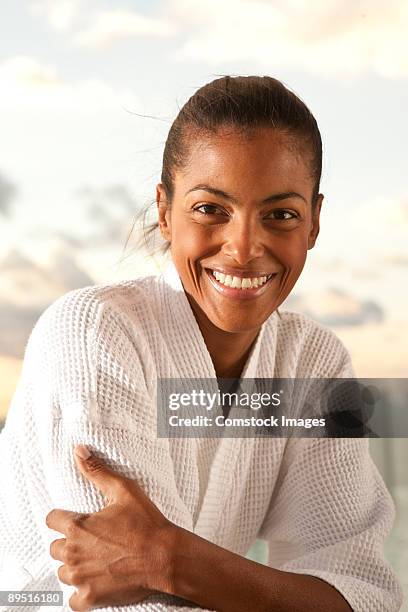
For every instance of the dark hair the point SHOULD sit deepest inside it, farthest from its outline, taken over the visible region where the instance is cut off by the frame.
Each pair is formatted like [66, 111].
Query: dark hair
[243, 103]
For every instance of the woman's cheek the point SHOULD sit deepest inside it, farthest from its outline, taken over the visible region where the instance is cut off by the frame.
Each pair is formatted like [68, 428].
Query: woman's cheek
[193, 242]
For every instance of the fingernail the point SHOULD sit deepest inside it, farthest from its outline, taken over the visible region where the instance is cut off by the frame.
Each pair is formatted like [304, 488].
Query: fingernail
[82, 451]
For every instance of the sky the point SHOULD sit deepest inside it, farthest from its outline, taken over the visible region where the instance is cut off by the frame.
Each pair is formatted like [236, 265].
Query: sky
[88, 91]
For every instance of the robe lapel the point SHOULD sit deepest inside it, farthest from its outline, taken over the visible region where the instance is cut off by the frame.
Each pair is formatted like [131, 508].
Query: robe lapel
[215, 458]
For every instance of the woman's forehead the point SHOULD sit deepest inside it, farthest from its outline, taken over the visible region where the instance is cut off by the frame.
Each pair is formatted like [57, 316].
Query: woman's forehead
[261, 157]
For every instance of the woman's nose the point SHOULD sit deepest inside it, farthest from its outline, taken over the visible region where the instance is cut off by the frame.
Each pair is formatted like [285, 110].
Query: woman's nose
[243, 241]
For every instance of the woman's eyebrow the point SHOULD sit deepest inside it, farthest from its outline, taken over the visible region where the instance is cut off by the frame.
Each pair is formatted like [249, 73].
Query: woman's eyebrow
[213, 191]
[276, 197]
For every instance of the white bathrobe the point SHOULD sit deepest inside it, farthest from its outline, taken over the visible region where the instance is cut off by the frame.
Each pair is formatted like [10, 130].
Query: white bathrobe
[90, 376]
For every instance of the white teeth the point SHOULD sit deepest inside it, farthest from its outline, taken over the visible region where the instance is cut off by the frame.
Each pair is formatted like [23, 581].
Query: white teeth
[237, 282]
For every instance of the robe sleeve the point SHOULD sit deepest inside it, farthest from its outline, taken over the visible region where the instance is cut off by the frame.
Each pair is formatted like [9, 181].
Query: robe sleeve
[85, 379]
[329, 516]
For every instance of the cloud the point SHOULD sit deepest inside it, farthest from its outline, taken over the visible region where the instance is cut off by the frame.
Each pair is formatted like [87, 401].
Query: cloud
[110, 210]
[25, 70]
[7, 193]
[398, 260]
[68, 273]
[27, 288]
[336, 37]
[112, 26]
[22, 276]
[62, 262]
[28, 84]
[16, 324]
[335, 308]
[365, 239]
[378, 350]
[65, 240]
[60, 14]
[333, 37]
[25, 291]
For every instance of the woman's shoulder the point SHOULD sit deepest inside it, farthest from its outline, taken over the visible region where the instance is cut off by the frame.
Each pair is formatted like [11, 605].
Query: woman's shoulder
[80, 323]
[303, 326]
[86, 337]
[81, 308]
[315, 349]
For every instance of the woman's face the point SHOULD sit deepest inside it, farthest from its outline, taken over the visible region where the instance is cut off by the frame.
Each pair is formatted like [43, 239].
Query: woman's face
[241, 207]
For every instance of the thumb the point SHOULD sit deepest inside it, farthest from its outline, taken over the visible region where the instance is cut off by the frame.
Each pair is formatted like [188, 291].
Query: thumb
[109, 482]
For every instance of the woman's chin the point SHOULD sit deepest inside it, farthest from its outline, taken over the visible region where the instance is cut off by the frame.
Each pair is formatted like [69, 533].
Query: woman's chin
[236, 325]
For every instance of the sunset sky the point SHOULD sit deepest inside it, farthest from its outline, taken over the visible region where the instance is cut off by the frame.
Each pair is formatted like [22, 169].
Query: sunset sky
[76, 162]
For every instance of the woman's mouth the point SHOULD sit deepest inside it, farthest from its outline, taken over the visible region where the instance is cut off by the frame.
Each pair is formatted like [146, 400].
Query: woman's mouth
[239, 287]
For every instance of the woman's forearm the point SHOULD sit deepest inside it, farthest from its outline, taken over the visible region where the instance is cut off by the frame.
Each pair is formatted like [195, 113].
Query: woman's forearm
[218, 579]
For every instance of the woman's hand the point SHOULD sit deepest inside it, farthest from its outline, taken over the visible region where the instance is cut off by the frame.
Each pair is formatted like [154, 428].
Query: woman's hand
[116, 556]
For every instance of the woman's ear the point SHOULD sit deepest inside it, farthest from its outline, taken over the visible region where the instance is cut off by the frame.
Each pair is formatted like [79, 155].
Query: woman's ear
[314, 232]
[164, 212]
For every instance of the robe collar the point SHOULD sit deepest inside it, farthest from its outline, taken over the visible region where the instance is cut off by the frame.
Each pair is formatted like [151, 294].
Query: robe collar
[213, 495]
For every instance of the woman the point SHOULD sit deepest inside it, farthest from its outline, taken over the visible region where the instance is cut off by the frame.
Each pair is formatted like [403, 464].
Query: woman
[147, 520]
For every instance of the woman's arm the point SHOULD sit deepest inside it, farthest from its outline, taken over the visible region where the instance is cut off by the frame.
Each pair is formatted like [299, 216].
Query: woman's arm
[129, 550]
[218, 579]
[329, 517]
[338, 563]
[82, 382]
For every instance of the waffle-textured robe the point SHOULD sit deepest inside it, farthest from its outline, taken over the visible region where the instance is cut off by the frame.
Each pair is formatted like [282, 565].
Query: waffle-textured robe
[90, 376]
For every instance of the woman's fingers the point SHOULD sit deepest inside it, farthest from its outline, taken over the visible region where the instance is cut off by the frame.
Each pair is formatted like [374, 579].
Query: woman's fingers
[80, 602]
[113, 485]
[56, 548]
[63, 520]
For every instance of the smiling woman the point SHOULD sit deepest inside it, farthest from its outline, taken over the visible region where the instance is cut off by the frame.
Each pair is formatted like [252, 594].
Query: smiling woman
[251, 218]
[148, 519]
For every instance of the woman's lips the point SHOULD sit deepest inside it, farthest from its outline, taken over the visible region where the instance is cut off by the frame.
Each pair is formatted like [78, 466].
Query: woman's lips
[239, 294]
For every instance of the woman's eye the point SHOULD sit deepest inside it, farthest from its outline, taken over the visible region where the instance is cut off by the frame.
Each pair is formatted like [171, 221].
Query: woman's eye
[282, 215]
[211, 209]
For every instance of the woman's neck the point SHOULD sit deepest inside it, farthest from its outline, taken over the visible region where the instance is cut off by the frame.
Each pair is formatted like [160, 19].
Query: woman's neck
[229, 351]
